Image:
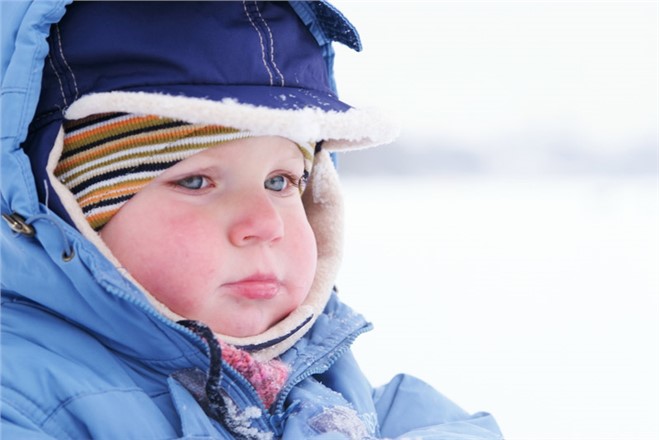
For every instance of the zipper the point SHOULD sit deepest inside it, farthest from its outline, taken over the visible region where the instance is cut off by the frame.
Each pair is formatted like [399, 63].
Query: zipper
[247, 394]
[198, 341]
[320, 367]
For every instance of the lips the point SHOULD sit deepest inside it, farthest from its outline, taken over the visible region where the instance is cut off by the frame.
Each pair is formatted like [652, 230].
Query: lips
[255, 287]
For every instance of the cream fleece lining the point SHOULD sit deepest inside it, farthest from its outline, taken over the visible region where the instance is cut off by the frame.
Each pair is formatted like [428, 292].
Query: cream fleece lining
[340, 131]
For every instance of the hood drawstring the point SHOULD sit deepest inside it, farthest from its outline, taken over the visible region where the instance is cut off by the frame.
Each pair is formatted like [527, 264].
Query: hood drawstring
[219, 405]
[215, 355]
[214, 404]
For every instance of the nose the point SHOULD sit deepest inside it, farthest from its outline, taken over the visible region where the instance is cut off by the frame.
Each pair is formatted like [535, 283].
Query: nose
[256, 220]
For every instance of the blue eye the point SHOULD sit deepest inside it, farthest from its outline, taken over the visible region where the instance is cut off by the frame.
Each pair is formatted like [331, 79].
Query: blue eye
[276, 183]
[193, 182]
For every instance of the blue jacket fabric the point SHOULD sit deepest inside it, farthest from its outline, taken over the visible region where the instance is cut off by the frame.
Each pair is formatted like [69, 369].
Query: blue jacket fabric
[85, 355]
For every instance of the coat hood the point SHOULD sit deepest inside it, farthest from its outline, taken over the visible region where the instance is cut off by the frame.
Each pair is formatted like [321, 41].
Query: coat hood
[67, 62]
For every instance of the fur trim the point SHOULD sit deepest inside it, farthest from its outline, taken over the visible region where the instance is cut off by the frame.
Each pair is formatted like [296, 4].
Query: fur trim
[340, 131]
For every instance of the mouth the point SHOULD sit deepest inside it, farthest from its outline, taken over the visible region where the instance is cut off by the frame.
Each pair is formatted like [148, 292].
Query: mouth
[255, 287]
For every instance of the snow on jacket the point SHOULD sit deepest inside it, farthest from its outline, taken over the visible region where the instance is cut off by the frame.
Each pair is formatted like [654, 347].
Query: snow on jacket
[85, 354]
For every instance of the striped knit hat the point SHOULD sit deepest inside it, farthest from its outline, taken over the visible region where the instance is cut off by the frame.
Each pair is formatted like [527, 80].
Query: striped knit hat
[107, 158]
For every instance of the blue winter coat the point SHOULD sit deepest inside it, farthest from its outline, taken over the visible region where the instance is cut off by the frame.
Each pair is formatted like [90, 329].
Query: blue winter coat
[85, 355]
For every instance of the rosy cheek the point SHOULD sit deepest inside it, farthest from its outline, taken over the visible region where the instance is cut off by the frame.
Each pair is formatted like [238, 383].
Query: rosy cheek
[305, 256]
[183, 262]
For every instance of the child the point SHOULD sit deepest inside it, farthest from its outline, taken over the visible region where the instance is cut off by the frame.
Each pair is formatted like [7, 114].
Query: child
[173, 228]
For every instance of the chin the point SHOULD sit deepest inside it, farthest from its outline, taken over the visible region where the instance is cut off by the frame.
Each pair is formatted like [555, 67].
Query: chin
[240, 332]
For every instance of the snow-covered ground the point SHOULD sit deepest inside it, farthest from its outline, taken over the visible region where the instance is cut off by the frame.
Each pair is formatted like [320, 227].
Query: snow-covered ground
[535, 299]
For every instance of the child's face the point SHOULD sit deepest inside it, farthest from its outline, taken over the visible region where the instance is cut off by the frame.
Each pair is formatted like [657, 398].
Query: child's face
[222, 237]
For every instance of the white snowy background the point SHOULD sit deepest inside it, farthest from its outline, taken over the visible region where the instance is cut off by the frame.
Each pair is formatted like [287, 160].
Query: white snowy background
[507, 246]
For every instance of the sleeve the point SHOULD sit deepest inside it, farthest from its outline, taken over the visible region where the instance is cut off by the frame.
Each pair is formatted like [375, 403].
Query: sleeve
[15, 425]
[409, 408]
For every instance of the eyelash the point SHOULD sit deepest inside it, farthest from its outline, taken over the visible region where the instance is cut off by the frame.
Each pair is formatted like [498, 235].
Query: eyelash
[206, 182]
[293, 180]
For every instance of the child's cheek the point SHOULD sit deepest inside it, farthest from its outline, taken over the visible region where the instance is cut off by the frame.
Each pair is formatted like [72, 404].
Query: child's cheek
[185, 260]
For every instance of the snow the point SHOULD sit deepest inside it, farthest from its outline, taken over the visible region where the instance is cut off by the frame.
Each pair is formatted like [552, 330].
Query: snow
[533, 298]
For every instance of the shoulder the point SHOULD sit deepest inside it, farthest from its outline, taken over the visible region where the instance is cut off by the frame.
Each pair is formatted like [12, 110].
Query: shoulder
[411, 407]
[59, 378]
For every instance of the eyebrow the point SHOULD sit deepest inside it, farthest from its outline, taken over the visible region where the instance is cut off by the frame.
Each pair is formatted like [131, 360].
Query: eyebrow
[295, 154]
[188, 169]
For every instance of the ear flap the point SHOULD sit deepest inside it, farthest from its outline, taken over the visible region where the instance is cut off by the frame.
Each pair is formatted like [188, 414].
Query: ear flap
[323, 203]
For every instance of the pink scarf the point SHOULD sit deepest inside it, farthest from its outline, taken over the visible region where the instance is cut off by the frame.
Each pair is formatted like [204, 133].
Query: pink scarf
[267, 378]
